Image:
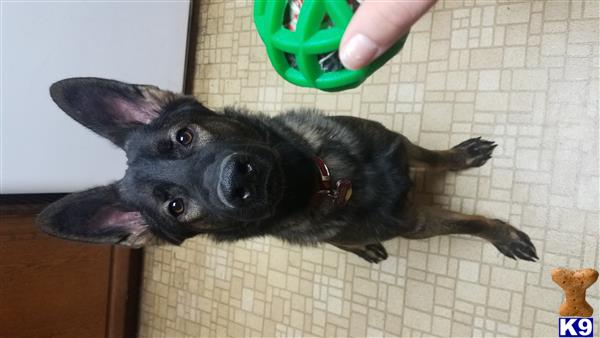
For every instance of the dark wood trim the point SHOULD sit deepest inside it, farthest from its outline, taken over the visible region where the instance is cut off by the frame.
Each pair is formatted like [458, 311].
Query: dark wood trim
[19, 204]
[191, 48]
[124, 292]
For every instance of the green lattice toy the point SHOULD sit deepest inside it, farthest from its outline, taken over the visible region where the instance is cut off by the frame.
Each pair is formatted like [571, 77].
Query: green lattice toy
[295, 54]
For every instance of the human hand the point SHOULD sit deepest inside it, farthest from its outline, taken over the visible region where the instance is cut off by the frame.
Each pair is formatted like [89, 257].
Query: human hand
[376, 26]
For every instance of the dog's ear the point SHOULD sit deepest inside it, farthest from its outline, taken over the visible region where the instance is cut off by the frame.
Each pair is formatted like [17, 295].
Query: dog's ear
[109, 108]
[96, 215]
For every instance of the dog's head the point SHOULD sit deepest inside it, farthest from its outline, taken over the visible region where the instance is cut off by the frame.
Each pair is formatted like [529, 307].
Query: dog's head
[190, 170]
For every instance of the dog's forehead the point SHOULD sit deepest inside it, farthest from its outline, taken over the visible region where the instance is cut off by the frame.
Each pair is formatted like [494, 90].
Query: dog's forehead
[147, 169]
[145, 143]
[158, 170]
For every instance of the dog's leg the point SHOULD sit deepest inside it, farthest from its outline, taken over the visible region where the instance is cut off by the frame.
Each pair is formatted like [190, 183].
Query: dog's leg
[372, 253]
[468, 154]
[432, 221]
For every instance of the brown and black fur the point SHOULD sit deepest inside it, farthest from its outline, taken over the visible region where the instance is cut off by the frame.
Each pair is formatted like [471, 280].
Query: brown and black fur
[275, 196]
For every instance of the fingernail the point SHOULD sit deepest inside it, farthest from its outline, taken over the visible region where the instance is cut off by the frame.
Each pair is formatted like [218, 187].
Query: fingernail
[358, 52]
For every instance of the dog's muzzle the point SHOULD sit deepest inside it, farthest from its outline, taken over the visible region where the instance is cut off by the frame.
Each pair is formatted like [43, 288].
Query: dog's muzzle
[243, 181]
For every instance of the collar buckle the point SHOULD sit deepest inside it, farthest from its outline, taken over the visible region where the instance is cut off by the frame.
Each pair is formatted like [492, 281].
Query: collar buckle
[340, 195]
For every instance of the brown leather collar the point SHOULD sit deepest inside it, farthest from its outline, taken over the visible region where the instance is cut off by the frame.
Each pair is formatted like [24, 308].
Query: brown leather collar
[340, 195]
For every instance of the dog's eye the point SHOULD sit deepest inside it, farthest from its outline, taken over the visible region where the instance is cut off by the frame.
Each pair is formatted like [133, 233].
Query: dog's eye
[176, 207]
[184, 136]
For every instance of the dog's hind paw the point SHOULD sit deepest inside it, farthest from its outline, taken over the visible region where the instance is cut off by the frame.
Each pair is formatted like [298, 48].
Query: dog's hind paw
[472, 153]
[514, 243]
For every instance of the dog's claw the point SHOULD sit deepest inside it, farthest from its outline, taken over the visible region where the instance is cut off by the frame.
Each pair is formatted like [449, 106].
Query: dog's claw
[514, 243]
[473, 152]
[378, 249]
[372, 253]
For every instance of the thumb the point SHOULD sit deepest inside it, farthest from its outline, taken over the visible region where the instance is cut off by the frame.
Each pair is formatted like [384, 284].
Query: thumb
[376, 26]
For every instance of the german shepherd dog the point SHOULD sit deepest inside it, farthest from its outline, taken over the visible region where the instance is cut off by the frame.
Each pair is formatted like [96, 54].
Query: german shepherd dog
[302, 176]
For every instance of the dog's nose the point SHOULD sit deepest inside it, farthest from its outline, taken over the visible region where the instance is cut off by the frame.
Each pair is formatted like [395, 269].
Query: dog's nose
[238, 180]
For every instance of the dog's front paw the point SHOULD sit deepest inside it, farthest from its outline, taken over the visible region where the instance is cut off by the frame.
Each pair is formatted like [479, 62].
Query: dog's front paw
[472, 153]
[513, 243]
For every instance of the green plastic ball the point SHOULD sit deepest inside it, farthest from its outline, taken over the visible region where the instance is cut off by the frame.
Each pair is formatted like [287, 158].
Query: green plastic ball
[310, 41]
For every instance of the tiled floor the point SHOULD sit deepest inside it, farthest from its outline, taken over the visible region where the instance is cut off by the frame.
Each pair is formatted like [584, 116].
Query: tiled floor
[524, 74]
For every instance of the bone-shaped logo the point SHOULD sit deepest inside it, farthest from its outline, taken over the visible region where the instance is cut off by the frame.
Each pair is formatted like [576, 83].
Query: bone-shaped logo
[574, 283]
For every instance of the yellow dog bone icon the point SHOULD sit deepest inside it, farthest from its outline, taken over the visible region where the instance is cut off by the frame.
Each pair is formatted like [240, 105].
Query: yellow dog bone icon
[574, 283]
